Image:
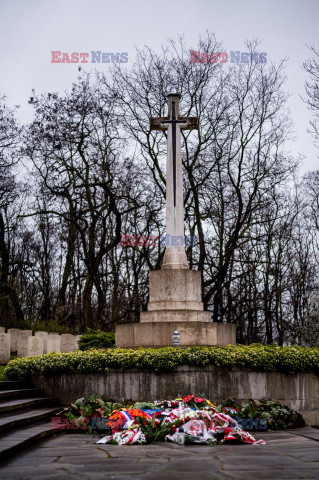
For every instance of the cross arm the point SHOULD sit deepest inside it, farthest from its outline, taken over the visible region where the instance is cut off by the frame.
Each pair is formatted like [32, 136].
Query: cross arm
[190, 124]
[156, 123]
[184, 123]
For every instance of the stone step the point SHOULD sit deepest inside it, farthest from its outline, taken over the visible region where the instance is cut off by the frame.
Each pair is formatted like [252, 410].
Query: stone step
[22, 404]
[14, 384]
[23, 393]
[21, 419]
[14, 442]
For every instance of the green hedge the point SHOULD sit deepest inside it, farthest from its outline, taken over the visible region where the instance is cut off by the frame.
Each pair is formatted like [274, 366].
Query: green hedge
[284, 359]
[96, 339]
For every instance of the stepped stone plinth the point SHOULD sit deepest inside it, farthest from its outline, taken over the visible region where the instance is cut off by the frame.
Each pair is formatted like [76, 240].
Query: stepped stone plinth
[175, 304]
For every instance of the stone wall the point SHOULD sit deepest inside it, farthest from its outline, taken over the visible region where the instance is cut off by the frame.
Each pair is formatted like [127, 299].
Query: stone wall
[298, 391]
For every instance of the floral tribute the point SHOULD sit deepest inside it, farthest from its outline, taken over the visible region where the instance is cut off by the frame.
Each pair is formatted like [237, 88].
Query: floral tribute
[186, 419]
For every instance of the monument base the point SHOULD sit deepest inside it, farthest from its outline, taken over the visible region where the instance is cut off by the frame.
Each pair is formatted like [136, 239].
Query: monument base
[175, 303]
[159, 334]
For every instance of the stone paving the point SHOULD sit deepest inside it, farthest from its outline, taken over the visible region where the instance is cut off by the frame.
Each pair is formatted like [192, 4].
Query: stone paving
[292, 454]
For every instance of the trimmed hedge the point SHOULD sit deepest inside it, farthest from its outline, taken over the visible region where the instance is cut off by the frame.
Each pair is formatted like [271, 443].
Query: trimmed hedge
[285, 359]
[96, 339]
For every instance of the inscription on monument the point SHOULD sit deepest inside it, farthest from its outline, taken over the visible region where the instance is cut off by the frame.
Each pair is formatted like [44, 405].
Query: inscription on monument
[35, 346]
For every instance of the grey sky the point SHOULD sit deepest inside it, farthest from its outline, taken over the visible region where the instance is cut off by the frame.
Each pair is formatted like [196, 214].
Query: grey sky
[30, 29]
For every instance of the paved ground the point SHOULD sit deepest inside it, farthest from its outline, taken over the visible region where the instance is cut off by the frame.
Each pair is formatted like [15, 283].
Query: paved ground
[291, 454]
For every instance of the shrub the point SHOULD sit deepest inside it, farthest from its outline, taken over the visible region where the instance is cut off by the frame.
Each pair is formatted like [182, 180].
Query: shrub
[284, 359]
[51, 326]
[96, 339]
[276, 415]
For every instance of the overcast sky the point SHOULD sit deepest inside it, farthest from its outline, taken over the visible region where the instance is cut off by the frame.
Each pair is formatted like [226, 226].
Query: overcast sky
[31, 29]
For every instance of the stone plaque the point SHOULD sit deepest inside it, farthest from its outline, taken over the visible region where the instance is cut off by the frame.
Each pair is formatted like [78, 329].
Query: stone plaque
[54, 343]
[35, 346]
[5, 340]
[67, 343]
[44, 336]
[29, 332]
[14, 332]
[22, 350]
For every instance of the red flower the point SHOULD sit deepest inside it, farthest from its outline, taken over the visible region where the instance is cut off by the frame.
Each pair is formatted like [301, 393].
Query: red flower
[199, 400]
[188, 398]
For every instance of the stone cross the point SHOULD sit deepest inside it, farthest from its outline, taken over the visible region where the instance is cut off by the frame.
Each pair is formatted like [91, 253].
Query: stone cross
[175, 255]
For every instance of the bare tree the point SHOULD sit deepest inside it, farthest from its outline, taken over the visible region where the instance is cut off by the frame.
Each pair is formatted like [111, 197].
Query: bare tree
[10, 308]
[312, 90]
[75, 147]
[234, 162]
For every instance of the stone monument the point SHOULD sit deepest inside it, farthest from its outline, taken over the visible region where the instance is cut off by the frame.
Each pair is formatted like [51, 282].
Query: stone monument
[53, 343]
[14, 332]
[175, 300]
[67, 343]
[44, 336]
[5, 340]
[35, 346]
[22, 348]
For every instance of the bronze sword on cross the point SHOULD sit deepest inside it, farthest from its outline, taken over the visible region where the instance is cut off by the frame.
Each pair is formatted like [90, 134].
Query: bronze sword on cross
[173, 123]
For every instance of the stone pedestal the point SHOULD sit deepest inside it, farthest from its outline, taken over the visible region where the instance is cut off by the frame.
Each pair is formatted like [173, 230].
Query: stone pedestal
[160, 334]
[175, 304]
